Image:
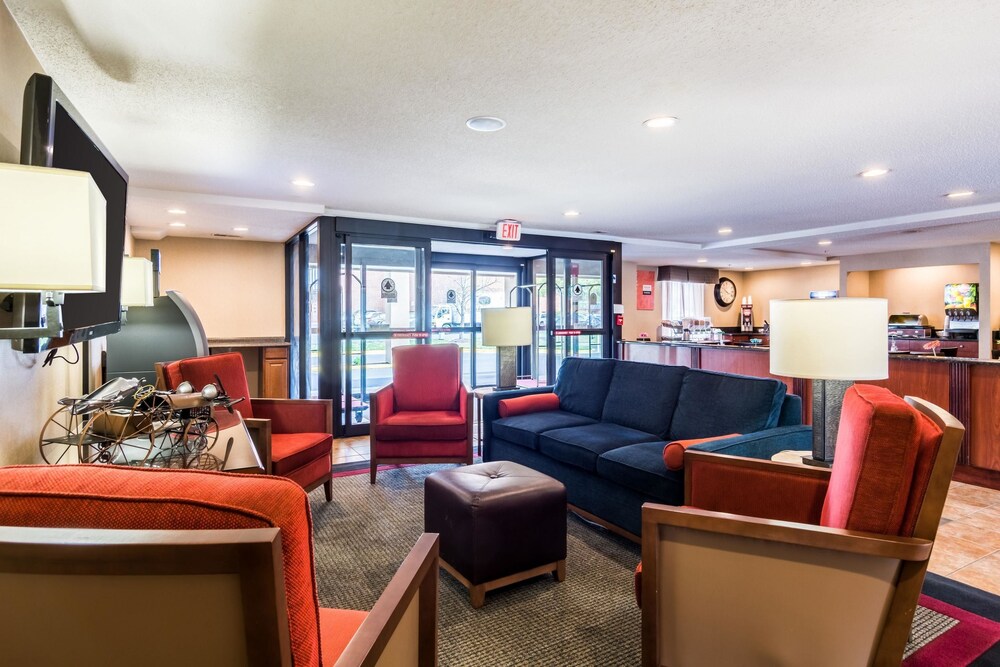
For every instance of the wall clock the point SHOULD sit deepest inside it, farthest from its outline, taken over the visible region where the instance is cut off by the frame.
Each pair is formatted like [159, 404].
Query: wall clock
[725, 292]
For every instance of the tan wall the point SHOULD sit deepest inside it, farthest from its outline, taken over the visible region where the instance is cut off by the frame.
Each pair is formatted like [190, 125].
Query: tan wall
[920, 290]
[795, 283]
[236, 287]
[729, 316]
[28, 392]
[639, 321]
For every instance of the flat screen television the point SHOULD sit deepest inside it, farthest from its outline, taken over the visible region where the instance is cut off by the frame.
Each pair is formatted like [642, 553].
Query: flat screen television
[54, 134]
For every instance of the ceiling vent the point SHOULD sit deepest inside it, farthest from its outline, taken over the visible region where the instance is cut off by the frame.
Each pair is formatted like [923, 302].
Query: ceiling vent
[227, 236]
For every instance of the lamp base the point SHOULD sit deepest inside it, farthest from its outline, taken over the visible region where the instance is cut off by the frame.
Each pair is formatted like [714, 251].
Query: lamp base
[507, 367]
[827, 400]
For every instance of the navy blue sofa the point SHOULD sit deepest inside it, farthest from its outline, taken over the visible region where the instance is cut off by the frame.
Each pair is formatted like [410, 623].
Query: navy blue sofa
[606, 440]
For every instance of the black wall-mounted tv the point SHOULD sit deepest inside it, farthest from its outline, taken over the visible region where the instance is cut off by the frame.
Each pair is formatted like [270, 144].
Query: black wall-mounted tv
[54, 134]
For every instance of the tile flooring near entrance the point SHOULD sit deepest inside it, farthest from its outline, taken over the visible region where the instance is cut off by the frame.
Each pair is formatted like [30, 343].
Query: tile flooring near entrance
[967, 547]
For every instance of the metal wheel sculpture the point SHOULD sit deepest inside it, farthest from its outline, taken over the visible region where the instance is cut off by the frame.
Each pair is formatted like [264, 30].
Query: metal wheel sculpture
[190, 433]
[62, 437]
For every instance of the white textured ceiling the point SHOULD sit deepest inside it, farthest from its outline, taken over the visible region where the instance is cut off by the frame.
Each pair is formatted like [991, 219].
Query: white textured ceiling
[216, 105]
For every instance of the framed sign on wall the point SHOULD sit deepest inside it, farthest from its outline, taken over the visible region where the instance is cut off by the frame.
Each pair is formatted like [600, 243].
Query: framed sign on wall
[645, 288]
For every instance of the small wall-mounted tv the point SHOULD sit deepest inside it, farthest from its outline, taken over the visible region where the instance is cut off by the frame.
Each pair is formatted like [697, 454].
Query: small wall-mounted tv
[54, 134]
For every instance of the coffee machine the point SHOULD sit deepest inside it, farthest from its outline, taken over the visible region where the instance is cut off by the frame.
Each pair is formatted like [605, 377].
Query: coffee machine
[961, 311]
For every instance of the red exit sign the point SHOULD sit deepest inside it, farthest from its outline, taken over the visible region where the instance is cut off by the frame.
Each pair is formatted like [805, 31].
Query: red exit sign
[508, 230]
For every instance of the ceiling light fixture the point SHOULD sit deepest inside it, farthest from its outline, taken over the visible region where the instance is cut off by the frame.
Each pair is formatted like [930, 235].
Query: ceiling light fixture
[572, 214]
[176, 211]
[303, 183]
[748, 268]
[824, 242]
[486, 123]
[960, 193]
[659, 122]
[701, 260]
[241, 229]
[175, 223]
[725, 230]
[873, 173]
[806, 263]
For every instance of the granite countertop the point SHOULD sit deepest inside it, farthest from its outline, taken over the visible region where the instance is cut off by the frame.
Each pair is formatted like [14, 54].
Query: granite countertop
[276, 341]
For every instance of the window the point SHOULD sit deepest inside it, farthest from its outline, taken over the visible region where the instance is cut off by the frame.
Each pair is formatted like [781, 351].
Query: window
[682, 300]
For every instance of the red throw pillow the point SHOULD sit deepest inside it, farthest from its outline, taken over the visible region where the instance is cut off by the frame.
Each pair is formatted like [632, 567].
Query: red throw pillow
[673, 453]
[522, 405]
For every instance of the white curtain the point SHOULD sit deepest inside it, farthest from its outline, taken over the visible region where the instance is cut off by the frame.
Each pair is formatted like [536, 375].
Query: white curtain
[682, 300]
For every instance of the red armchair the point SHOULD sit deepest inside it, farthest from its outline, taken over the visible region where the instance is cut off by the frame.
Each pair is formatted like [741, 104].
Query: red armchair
[221, 567]
[425, 414]
[293, 437]
[775, 563]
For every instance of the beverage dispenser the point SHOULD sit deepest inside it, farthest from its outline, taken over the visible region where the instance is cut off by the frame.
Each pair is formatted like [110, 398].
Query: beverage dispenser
[961, 310]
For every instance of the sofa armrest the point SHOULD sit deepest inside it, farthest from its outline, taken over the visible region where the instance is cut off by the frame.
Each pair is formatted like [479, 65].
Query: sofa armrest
[754, 487]
[403, 622]
[296, 415]
[382, 403]
[260, 435]
[761, 444]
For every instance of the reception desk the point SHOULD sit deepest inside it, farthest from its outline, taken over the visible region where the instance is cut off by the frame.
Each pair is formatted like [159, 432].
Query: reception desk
[968, 388]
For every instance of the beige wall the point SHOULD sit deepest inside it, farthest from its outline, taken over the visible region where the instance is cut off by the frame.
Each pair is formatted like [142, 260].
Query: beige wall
[28, 392]
[729, 316]
[236, 287]
[795, 283]
[920, 290]
[639, 321]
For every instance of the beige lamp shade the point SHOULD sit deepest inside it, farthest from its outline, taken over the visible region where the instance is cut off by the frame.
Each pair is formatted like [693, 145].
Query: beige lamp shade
[52, 226]
[830, 339]
[504, 327]
[137, 281]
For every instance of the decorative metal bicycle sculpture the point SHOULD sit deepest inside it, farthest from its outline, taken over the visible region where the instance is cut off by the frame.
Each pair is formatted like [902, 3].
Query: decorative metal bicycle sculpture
[129, 423]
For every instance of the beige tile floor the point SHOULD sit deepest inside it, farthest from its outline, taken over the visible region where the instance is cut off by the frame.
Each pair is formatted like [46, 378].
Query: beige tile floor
[967, 547]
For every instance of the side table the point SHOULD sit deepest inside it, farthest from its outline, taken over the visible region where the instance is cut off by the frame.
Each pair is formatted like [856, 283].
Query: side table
[481, 393]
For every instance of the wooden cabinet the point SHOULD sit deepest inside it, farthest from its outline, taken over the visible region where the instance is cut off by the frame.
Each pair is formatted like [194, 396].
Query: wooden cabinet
[274, 373]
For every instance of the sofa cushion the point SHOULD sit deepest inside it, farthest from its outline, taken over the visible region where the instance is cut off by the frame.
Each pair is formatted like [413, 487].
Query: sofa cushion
[509, 407]
[717, 403]
[293, 450]
[336, 629]
[640, 467]
[582, 385]
[673, 453]
[524, 429]
[581, 445]
[423, 425]
[643, 396]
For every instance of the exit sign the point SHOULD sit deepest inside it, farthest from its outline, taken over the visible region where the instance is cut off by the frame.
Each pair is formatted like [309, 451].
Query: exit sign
[508, 230]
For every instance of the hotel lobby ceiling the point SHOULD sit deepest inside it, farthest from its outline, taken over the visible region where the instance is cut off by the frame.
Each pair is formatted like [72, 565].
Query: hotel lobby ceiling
[215, 107]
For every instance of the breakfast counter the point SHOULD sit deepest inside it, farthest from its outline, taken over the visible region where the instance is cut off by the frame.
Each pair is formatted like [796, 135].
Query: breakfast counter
[965, 387]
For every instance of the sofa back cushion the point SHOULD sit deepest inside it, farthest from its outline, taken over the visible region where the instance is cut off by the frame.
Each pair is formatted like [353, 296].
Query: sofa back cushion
[426, 377]
[643, 396]
[718, 403]
[582, 385]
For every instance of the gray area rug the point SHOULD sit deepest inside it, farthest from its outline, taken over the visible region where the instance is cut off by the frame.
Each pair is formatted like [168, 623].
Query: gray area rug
[364, 533]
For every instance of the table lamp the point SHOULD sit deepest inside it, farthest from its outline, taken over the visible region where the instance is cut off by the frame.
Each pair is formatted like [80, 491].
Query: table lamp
[833, 342]
[506, 328]
[137, 282]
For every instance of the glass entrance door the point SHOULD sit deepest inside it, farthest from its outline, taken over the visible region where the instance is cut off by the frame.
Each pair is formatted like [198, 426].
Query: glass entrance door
[577, 323]
[383, 289]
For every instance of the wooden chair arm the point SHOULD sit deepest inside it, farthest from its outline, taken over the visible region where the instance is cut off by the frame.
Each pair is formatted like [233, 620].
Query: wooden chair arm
[260, 435]
[389, 629]
[807, 535]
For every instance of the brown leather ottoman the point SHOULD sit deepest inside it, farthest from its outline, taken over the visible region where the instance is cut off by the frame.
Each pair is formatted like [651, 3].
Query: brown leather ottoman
[499, 522]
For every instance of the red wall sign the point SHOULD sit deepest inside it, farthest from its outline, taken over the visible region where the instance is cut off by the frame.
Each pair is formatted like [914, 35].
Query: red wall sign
[508, 230]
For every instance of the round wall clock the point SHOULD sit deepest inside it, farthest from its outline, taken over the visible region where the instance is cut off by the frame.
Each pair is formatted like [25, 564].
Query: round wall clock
[725, 292]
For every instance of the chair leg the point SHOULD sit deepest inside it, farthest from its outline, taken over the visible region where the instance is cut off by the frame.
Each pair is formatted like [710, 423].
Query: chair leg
[374, 468]
[328, 489]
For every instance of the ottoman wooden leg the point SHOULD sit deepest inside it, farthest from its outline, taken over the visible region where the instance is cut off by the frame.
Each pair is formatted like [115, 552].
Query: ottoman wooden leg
[477, 594]
[560, 572]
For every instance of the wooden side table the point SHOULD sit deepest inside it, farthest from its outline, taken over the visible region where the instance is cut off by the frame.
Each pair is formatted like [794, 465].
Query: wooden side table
[481, 393]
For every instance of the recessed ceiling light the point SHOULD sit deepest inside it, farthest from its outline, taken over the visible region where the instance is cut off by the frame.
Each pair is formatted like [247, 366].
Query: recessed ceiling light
[486, 123]
[961, 193]
[824, 242]
[176, 211]
[571, 214]
[241, 229]
[702, 260]
[806, 263]
[725, 230]
[748, 268]
[658, 122]
[303, 183]
[507, 247]
[175, 223]
[873, 173]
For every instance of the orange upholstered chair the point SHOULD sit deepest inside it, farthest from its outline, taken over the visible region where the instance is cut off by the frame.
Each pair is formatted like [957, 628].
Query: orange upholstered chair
[293, 437]
[425, 414]
[185, 531]
[775, 563]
